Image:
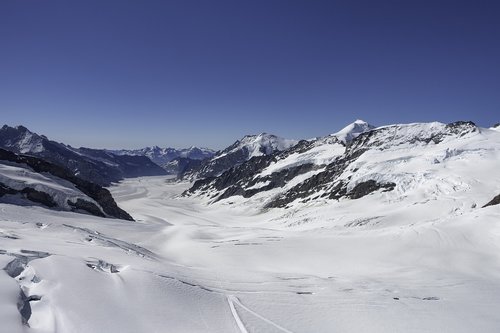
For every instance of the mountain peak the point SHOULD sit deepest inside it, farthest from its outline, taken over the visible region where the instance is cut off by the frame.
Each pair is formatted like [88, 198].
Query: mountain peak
[22, 128]
[354, 129]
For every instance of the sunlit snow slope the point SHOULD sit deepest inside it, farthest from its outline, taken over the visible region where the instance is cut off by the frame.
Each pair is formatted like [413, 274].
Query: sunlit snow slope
[423, 257]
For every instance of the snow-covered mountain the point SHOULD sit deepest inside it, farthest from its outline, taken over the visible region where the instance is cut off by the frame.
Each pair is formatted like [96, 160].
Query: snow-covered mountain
[273, 170]
[162, 156]
[30, 180]
[396, 229]
[374, 160]
[353, 130]
[182, 165]
[239, 152]
[94, 165]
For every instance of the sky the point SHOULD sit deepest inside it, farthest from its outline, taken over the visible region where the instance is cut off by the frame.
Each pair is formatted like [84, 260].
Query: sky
[129, 74]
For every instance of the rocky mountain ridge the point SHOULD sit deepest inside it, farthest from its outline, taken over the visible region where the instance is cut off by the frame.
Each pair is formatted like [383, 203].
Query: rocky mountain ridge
[28, 178]
[94, 165]
[239, 152]
[335, 169]
[162, 156]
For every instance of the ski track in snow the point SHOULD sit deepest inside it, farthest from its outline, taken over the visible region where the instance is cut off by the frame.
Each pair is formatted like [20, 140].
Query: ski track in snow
[234, 300]
[240, 324]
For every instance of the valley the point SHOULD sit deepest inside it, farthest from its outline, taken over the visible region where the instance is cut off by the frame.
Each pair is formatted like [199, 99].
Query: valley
[384, 231]
[187, 266]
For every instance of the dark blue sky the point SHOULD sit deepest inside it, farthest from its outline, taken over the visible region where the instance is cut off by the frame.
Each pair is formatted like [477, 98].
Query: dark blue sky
[133, 73]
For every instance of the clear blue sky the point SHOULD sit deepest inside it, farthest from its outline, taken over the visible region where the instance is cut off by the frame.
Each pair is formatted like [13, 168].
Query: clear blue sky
[125, 73]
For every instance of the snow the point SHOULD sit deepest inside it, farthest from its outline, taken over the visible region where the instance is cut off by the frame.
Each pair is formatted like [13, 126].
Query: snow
[421, 258]
[17, 177]
[258, 145]
[162, 156]
[351, 131]
[29, 142]
[189, 267]
[321, 154]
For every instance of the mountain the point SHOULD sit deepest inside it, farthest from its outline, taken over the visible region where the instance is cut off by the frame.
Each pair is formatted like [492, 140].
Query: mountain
[390, 158]
[94, 165]
[239, 152]
[351, 131]
[397, 229]
[29, 180]
[182, 165]
[162, 156]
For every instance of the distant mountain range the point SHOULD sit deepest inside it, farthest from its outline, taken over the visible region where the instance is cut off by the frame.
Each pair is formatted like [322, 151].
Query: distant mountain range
[94, 165]
[351, 163]
[162, 156]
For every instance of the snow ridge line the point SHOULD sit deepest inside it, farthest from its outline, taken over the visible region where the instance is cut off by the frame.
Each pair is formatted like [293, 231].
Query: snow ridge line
[234, 300]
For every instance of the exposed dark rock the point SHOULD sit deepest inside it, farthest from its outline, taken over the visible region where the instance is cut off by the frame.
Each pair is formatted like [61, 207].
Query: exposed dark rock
[323, 181]
[215, 167]
[30, 194]
[232, 176]
[16, 266]
[364, 188]
[181, 165]
[101, 195]
[330, 183]
[494, 201]
[236, 154]
[87, 206]
[4, 189]
[103, 266]
[14, 269]
[24, 307]
[275, 180]
[461, 128]
[39, 197]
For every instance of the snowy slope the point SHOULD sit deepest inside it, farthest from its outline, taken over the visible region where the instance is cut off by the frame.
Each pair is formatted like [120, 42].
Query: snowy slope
[28, 180]
[239, 152]
[351, 131]
[20, 139]
[257, 145]
[282, 169]
[421, 257]
[354, 266]
[61, 191]
[376, 160]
